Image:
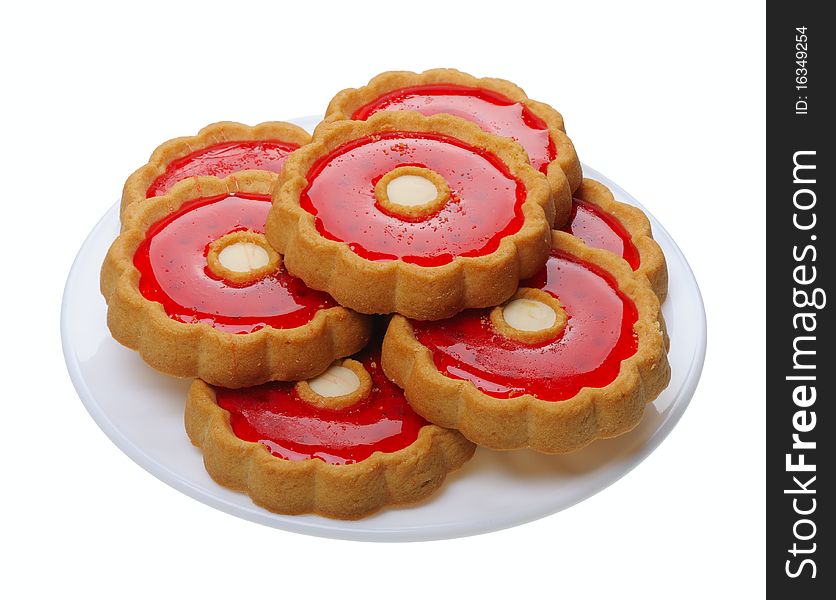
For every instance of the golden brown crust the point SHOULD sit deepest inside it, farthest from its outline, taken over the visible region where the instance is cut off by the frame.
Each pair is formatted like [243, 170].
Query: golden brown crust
[314, 486]
[213, 257]
[347, 102]
[497, 317]
[525, 421]
[418, 211]
[197, 349]
[224, 131]
[309, 395]
[396, 286]
[652, 259]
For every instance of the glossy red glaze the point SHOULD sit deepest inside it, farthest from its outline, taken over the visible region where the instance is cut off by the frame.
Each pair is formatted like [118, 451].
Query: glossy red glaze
[274, 415]
[599, 229]
[173, 270]
[598, 336]
[485, 205]
[492, 111]
[220, 160]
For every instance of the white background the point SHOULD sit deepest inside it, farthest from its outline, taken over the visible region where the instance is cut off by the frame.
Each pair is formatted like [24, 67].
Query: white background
[667, 101]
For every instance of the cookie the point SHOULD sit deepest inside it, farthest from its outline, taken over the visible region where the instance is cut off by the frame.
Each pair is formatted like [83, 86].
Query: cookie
[601, 221]
[423, 216]
[496, 105]
[218, 150]
[192, 284]
[574, 356]
[342, 445]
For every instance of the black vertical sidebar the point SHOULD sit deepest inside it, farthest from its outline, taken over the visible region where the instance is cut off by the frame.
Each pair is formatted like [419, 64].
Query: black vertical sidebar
[801, 435]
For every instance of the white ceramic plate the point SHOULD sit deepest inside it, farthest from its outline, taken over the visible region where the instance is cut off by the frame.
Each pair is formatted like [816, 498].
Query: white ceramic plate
[142, 412]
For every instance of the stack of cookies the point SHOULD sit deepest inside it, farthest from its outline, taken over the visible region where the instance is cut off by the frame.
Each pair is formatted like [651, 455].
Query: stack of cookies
[360, 308]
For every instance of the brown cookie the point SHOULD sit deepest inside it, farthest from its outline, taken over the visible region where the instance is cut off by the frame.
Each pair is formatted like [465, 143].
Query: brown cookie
[609, 218]
[218, 150]
[498, 106]
[192, 284]
[342, 445]
[411, 246]
[602, 359]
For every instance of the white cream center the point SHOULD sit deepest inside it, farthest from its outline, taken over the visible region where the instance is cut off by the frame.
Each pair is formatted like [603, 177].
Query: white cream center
[243, 257]
[411, 190]
[336, 381]
[529, 315]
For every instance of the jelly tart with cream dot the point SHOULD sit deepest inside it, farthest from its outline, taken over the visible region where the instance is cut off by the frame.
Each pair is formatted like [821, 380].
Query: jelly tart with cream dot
[343, 444]
[496, 105]
[423, 216]
[601, 221]
[574, 356]
[192, 284]
[218, 150]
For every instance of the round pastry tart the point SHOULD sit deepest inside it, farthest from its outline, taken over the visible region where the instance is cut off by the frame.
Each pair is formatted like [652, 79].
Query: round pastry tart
[496, 105]
[218, 150]
[601, 221]
[343, 444]
[193, 285]
[572, 357]
[423, 216]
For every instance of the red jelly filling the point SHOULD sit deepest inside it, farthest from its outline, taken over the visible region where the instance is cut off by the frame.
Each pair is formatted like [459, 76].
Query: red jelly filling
[173, 270]
[598, 336]
[600, 229]
[485, 205]
[493, 112]
[274, 415]
[220, 160]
